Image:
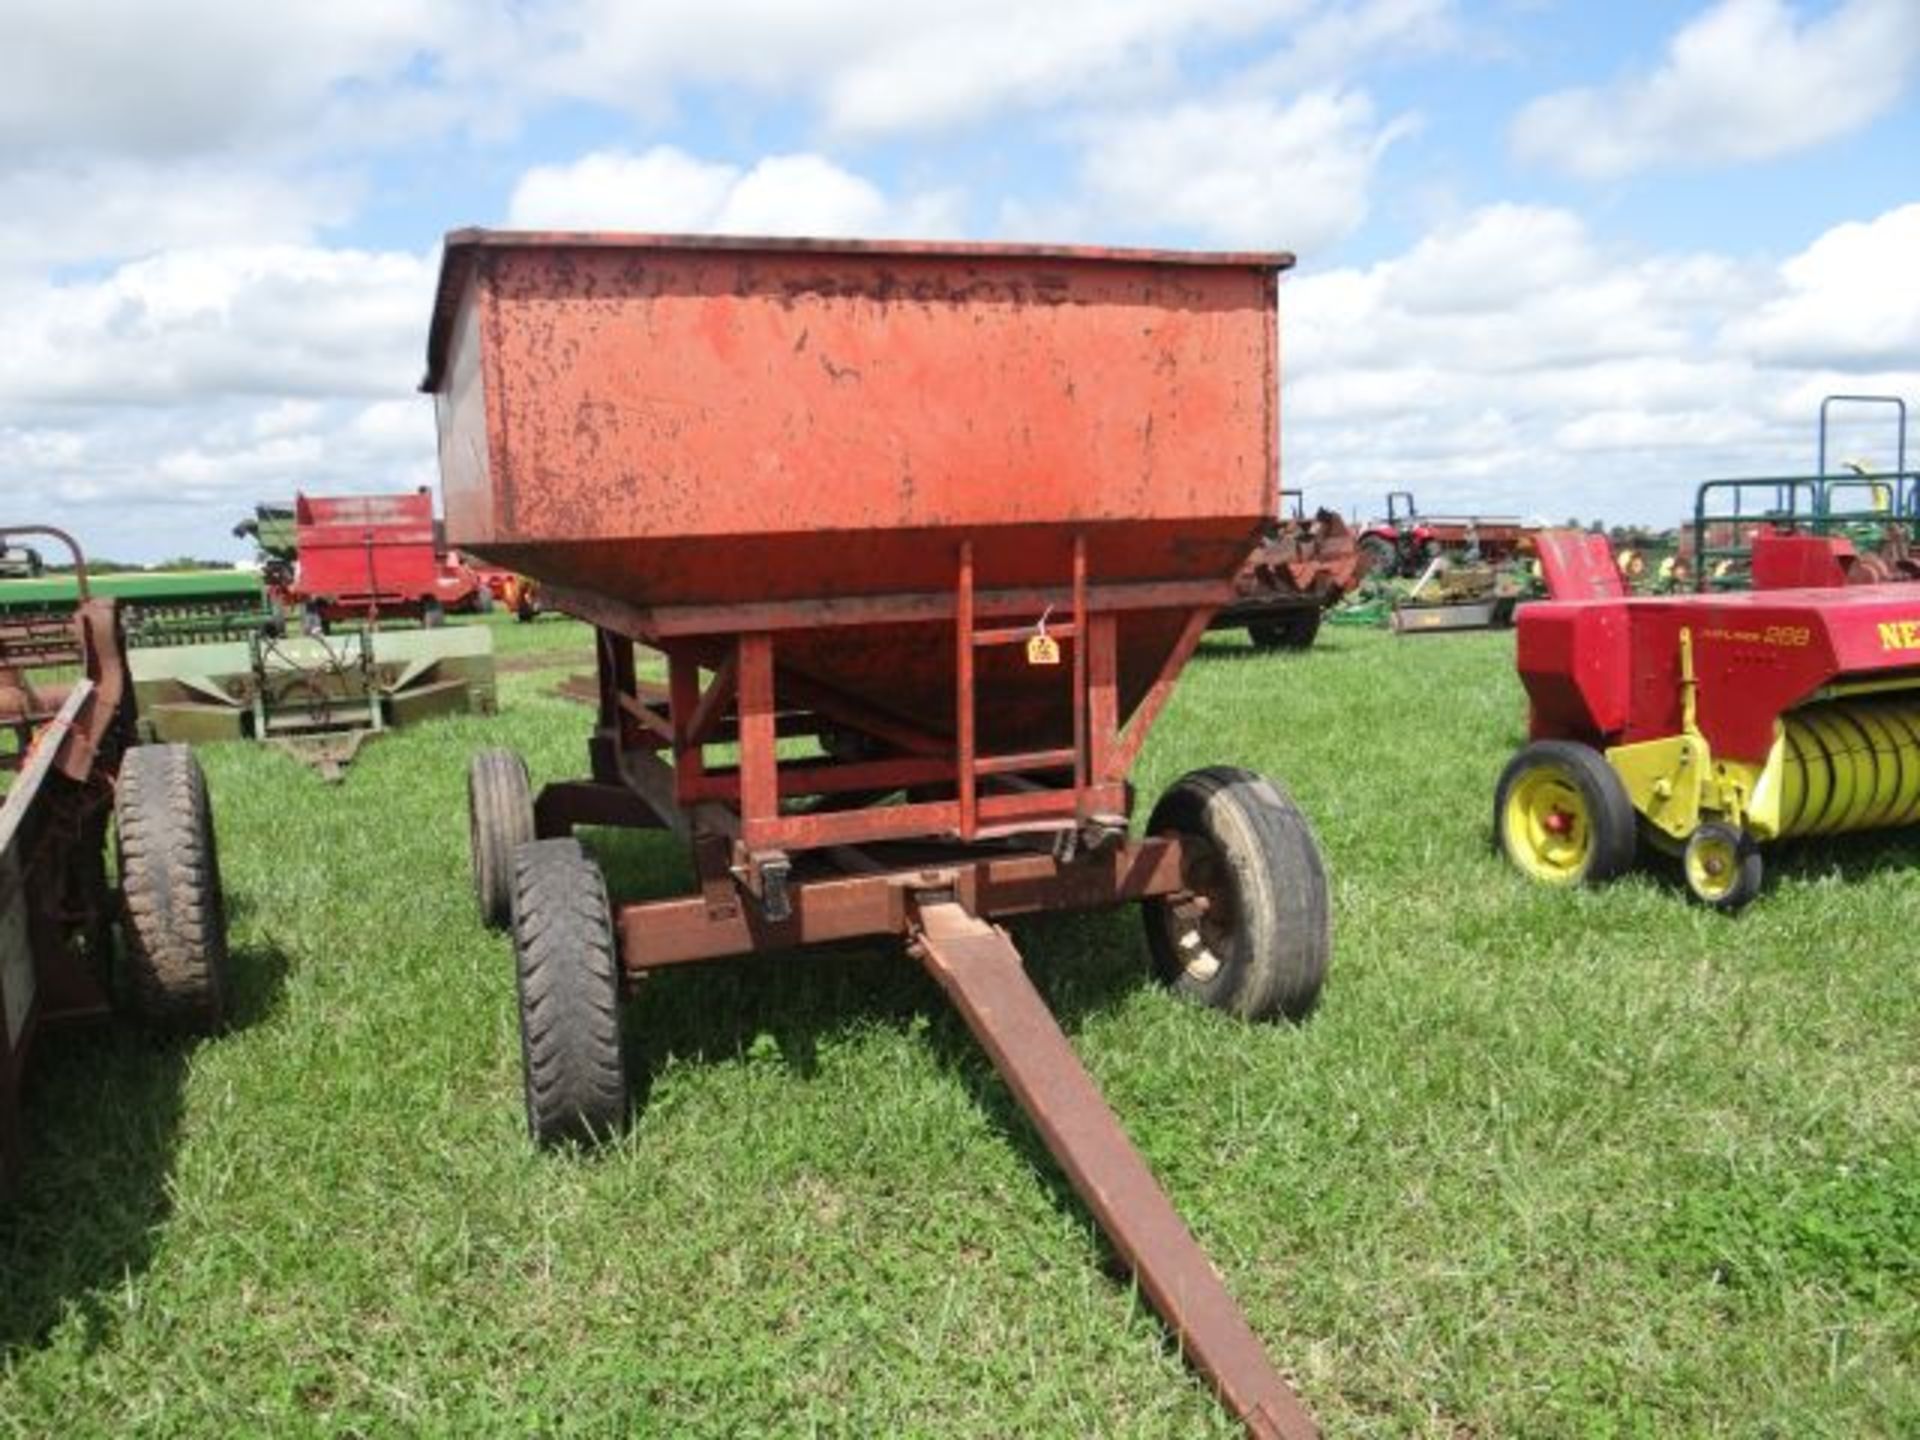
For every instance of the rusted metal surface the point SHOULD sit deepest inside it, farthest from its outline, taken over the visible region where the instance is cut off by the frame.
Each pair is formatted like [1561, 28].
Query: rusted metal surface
[980, 971]
[663, 429]
[1300, 564]
[89, 639]
[25, 930]
[837, 907]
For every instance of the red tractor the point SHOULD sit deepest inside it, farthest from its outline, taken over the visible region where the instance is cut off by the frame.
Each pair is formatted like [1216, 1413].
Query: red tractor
[1406, 542]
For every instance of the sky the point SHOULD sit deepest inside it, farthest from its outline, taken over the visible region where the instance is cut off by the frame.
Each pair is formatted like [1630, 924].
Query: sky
[1556, 257]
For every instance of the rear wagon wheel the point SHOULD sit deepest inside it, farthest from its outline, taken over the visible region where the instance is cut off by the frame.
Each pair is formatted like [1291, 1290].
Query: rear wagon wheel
[499, 818]
[1286, 630]
[1252, 932]
[569, 988]
[173, 917]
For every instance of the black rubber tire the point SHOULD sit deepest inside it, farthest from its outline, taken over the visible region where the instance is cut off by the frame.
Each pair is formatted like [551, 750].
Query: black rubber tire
[1257, 850]
[1383, 559]
[433, 615]
[569, 987]
[499, 820]
[1286, 629]
[1749, 869]
[1614, 825]
[172, 914]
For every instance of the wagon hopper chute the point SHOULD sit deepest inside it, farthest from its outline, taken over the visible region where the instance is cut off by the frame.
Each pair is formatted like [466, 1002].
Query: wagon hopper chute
[950, 520]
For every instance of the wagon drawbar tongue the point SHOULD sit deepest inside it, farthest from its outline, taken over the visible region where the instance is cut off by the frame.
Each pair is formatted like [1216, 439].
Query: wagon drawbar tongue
[981, 972]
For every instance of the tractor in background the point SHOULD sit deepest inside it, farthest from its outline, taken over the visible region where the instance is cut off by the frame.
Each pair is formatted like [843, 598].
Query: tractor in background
[1406, 542]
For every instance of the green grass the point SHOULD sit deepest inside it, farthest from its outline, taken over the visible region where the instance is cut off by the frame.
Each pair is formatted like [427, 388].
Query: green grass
[1542, 1164]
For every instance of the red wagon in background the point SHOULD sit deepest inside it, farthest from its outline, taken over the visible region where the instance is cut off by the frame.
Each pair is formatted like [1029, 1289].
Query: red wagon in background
[923, 536]
[376, 556]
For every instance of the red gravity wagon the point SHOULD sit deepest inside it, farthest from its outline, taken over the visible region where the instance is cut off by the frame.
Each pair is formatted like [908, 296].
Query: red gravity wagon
[924, 535]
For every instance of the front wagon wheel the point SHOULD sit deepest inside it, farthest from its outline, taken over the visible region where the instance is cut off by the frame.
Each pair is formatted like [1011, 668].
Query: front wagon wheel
[569, 987]
[1251, 931]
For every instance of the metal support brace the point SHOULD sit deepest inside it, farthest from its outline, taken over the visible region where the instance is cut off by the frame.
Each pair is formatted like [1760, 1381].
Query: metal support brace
[976, 964]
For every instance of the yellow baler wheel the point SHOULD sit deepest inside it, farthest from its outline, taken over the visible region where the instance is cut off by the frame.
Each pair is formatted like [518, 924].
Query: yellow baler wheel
[1562, 815]
[1722, 866]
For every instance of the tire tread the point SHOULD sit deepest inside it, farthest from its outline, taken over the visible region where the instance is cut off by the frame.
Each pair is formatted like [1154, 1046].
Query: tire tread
[568, 981]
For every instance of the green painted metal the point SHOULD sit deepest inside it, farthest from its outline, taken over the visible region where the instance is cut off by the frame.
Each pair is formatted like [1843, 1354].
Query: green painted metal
[1371, 611]
[1859, 507]
[317, 694]
[157, 607]
[167, 587]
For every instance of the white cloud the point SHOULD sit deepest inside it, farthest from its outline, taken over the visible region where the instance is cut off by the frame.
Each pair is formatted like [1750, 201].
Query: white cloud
[194, 76]
[1239, 171]
[1513, 362]
[198, 78]
[263, 320]
[1338, 38]
[666, 189]
[114, 209]
[1745, 81]
[151, 403]
[878, 67]
[1851, 300]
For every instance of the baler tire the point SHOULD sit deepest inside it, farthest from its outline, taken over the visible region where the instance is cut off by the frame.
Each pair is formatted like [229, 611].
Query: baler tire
[499, 820]
[1612, 825]
[1734, 846]
[1250, 853]
[173, 916]
[568, 981]
[1287, 630]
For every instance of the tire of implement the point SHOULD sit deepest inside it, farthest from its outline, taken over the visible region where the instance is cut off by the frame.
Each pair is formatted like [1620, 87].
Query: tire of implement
[172, 915]
[568, 981]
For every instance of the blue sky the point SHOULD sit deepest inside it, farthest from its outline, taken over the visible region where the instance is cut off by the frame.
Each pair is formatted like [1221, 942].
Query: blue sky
[1556, 258]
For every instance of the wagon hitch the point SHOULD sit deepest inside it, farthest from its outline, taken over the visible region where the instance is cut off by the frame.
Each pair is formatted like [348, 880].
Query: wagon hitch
[981, 972]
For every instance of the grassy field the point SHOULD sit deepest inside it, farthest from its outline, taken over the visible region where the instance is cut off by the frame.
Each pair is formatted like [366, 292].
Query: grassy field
[1542, 1164]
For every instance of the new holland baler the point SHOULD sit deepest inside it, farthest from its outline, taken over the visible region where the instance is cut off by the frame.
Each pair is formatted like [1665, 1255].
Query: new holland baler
[1710, 724]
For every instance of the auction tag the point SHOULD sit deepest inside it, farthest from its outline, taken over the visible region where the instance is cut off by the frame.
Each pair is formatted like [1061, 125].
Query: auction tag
[1043, 650]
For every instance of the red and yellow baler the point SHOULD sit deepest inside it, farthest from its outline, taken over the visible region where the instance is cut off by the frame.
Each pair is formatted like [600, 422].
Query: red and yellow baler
[1709, 723]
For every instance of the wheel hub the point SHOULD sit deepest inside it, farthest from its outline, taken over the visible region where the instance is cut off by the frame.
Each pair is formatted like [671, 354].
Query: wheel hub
[1203, 915]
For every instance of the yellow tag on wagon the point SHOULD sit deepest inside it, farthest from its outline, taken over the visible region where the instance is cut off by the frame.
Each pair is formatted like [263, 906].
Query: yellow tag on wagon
[1043, 650]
